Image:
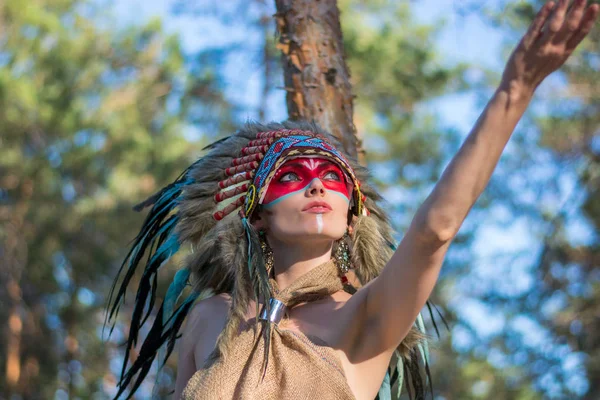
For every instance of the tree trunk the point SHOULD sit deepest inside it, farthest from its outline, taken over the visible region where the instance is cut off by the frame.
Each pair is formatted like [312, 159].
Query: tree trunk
[317, 80]
[267, 55]
[14, 250]
[13, 340]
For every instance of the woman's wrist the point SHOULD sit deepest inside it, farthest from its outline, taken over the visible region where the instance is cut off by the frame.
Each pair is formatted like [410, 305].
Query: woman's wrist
[517, 93]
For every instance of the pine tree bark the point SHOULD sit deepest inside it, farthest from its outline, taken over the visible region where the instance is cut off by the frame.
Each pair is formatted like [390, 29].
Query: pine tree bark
[316, 77]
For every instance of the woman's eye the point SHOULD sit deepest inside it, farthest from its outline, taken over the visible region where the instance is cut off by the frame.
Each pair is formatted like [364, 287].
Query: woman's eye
[289, 177]
[332, 175]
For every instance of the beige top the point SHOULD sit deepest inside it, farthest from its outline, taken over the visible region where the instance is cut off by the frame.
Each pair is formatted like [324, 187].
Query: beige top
[297, 367]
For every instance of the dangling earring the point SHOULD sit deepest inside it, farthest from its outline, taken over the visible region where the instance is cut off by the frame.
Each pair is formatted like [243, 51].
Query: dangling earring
[266, 250]
[342, 254]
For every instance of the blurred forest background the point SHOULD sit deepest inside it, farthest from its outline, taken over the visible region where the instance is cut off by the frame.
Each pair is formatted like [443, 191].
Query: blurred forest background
[96, 114]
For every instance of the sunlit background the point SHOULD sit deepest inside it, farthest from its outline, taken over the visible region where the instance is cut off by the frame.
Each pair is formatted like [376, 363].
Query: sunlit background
[103, 103]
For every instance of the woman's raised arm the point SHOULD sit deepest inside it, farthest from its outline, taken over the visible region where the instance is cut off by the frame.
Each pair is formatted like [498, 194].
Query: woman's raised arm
[394, 299]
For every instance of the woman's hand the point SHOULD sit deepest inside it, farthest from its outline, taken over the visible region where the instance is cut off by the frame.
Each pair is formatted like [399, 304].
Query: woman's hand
[551, 38]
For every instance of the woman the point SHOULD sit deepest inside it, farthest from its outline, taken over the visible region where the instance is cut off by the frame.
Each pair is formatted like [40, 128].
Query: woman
[277, 215]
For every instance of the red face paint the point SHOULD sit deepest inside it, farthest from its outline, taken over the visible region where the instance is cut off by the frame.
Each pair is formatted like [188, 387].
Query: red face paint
[296, 174]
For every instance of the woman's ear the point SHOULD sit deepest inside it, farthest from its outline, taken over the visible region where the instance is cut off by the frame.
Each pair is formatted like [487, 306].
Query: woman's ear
[350, 217]
[258, 221]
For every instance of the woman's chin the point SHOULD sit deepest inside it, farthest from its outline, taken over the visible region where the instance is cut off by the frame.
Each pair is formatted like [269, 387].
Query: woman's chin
[312, 236]
[309, 231]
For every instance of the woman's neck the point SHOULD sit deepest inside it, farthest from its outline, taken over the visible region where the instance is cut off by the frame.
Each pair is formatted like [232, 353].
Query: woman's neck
[293, 261]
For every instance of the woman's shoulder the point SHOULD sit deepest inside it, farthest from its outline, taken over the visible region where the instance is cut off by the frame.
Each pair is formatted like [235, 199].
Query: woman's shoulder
[204, 322]
[214, 311]
[212, 307]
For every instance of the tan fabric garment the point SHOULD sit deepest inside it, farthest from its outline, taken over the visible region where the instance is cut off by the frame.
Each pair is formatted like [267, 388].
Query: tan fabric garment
[297, 367]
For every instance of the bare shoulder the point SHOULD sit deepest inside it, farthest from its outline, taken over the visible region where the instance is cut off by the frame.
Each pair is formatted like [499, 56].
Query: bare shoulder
[205, 322]
[209, 308]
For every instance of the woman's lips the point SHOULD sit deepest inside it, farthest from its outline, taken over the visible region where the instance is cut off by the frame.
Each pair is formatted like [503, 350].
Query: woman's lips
[317, 207]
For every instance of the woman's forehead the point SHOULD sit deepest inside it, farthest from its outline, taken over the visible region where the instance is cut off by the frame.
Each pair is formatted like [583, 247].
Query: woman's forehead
[309, 162]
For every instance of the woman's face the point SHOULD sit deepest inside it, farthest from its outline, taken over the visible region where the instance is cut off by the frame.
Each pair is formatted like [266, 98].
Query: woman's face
[308, 198]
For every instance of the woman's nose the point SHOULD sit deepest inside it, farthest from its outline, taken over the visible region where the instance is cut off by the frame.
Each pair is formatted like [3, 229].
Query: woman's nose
[316, 187]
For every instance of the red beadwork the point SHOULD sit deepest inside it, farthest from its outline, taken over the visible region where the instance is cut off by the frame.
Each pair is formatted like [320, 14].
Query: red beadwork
[255, 149]
[260, 142]
[236, 179]
[247, 159]
[241, 168]
[219, 215]
[230, 193]
[278, 147]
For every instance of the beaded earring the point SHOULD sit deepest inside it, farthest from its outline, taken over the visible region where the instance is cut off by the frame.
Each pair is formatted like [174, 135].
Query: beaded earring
[342, 254]
[266, 250]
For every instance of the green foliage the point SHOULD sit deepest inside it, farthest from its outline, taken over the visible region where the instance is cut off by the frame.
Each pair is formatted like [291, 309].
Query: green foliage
[92, 121]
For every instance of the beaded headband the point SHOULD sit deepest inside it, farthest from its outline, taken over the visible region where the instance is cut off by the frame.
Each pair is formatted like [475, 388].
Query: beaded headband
[250, 173]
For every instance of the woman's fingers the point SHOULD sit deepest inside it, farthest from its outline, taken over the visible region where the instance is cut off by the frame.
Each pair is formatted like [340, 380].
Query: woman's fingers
[585, 26]
[571, 23]
[535, 29]
[556, 22]
[574, 18]
[552, 36]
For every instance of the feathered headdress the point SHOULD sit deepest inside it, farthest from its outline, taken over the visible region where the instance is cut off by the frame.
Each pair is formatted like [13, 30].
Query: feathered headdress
[210, 207]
